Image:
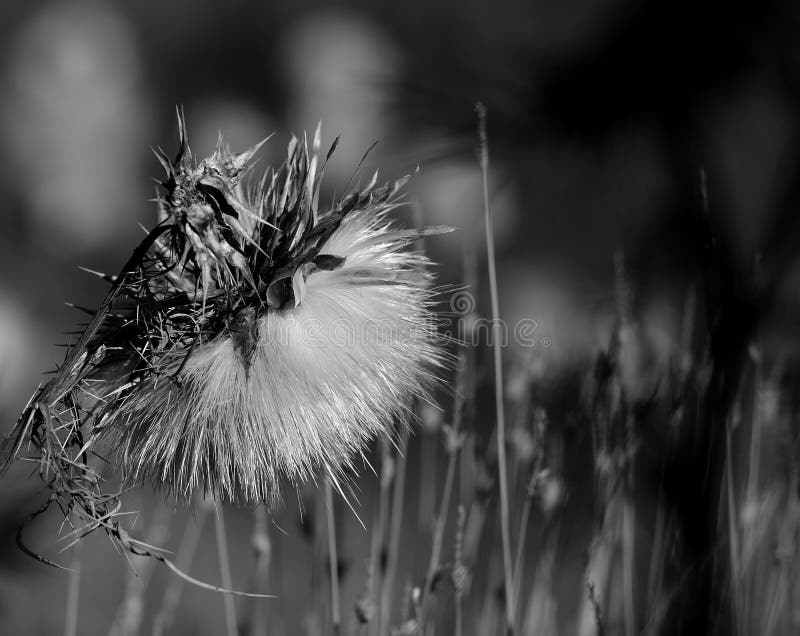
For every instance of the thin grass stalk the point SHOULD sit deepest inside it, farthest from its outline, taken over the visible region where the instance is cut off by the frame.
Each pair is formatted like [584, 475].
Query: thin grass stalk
[128, 620]
[476, 520]
[395, 531]
[597, 613]
[459, 612]
[262, 549]
[541, 614]
[655, 572]
[454, 445]
[73, 592]
[527, 505]
[225, 571]
[319, 592]
[365, 610]
[468, 470]
[491, 616]
[498, 376]
[365, 605]
[628, 523]
[460, 572]
[733, 532]
[336, 612]
[753, 468]
[426, 509]
[183, 560]
[438, 533]
[370, 604]
[474, 527]
[379, 535]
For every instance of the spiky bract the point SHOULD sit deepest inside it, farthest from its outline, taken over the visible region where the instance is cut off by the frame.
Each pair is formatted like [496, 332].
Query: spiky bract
[252, 336]
[319, 355]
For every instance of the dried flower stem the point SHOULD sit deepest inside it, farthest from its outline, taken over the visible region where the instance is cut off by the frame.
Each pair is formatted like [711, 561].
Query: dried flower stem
[336, 613]
[378, 546]
[459, 571]
[498, 375]
[426, 508]
[628, 539]
[441, 521]
[225, 571]
[395, 530]
[73, 592]
[262, 549]
[734, 538]
[129, 616]
[183, 560]
[527, 505]
[454, 446]
[598, 615]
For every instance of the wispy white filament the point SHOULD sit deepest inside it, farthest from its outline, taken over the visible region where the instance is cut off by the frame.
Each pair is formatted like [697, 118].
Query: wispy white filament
[326, 376]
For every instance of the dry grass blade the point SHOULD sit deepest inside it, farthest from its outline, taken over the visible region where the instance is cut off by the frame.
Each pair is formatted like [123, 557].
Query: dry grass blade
[395, 532]
[225, 570]
[333, 560]
[188, 546]
[73, 593]
[505, 529]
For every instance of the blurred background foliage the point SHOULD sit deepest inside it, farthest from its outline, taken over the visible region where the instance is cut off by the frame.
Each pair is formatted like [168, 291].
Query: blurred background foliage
[640, 128]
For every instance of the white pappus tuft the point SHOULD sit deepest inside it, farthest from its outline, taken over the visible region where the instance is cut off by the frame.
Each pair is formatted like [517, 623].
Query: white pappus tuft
[313, 329]
[251, 337]
[287, 391]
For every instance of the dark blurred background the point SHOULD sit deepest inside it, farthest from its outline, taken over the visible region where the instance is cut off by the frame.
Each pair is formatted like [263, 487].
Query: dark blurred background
[602, 115]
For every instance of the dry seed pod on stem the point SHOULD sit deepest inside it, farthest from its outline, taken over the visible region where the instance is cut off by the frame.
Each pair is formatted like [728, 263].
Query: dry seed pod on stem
[251, 338]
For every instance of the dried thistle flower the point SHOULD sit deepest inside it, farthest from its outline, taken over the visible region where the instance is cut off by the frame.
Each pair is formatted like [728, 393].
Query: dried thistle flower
[252, 336]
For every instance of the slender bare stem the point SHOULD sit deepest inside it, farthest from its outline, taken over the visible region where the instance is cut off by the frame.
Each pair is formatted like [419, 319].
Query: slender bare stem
[438, 534]
[379, 531]
[530, 491]
[428, 468]
[629, 564]
[459, 572]
[262, 549]
[128, 620]
[225, 571]
[183, 560]
[733, 527]
[523, 530]
[336, 613]
[73, 592]
[454, 446]
[459, 614]
[395, 530]
[498, 375]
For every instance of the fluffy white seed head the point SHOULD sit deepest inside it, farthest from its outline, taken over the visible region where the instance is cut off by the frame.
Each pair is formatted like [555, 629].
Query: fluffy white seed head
[282, 337]
[325, 376]
[252, 337]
